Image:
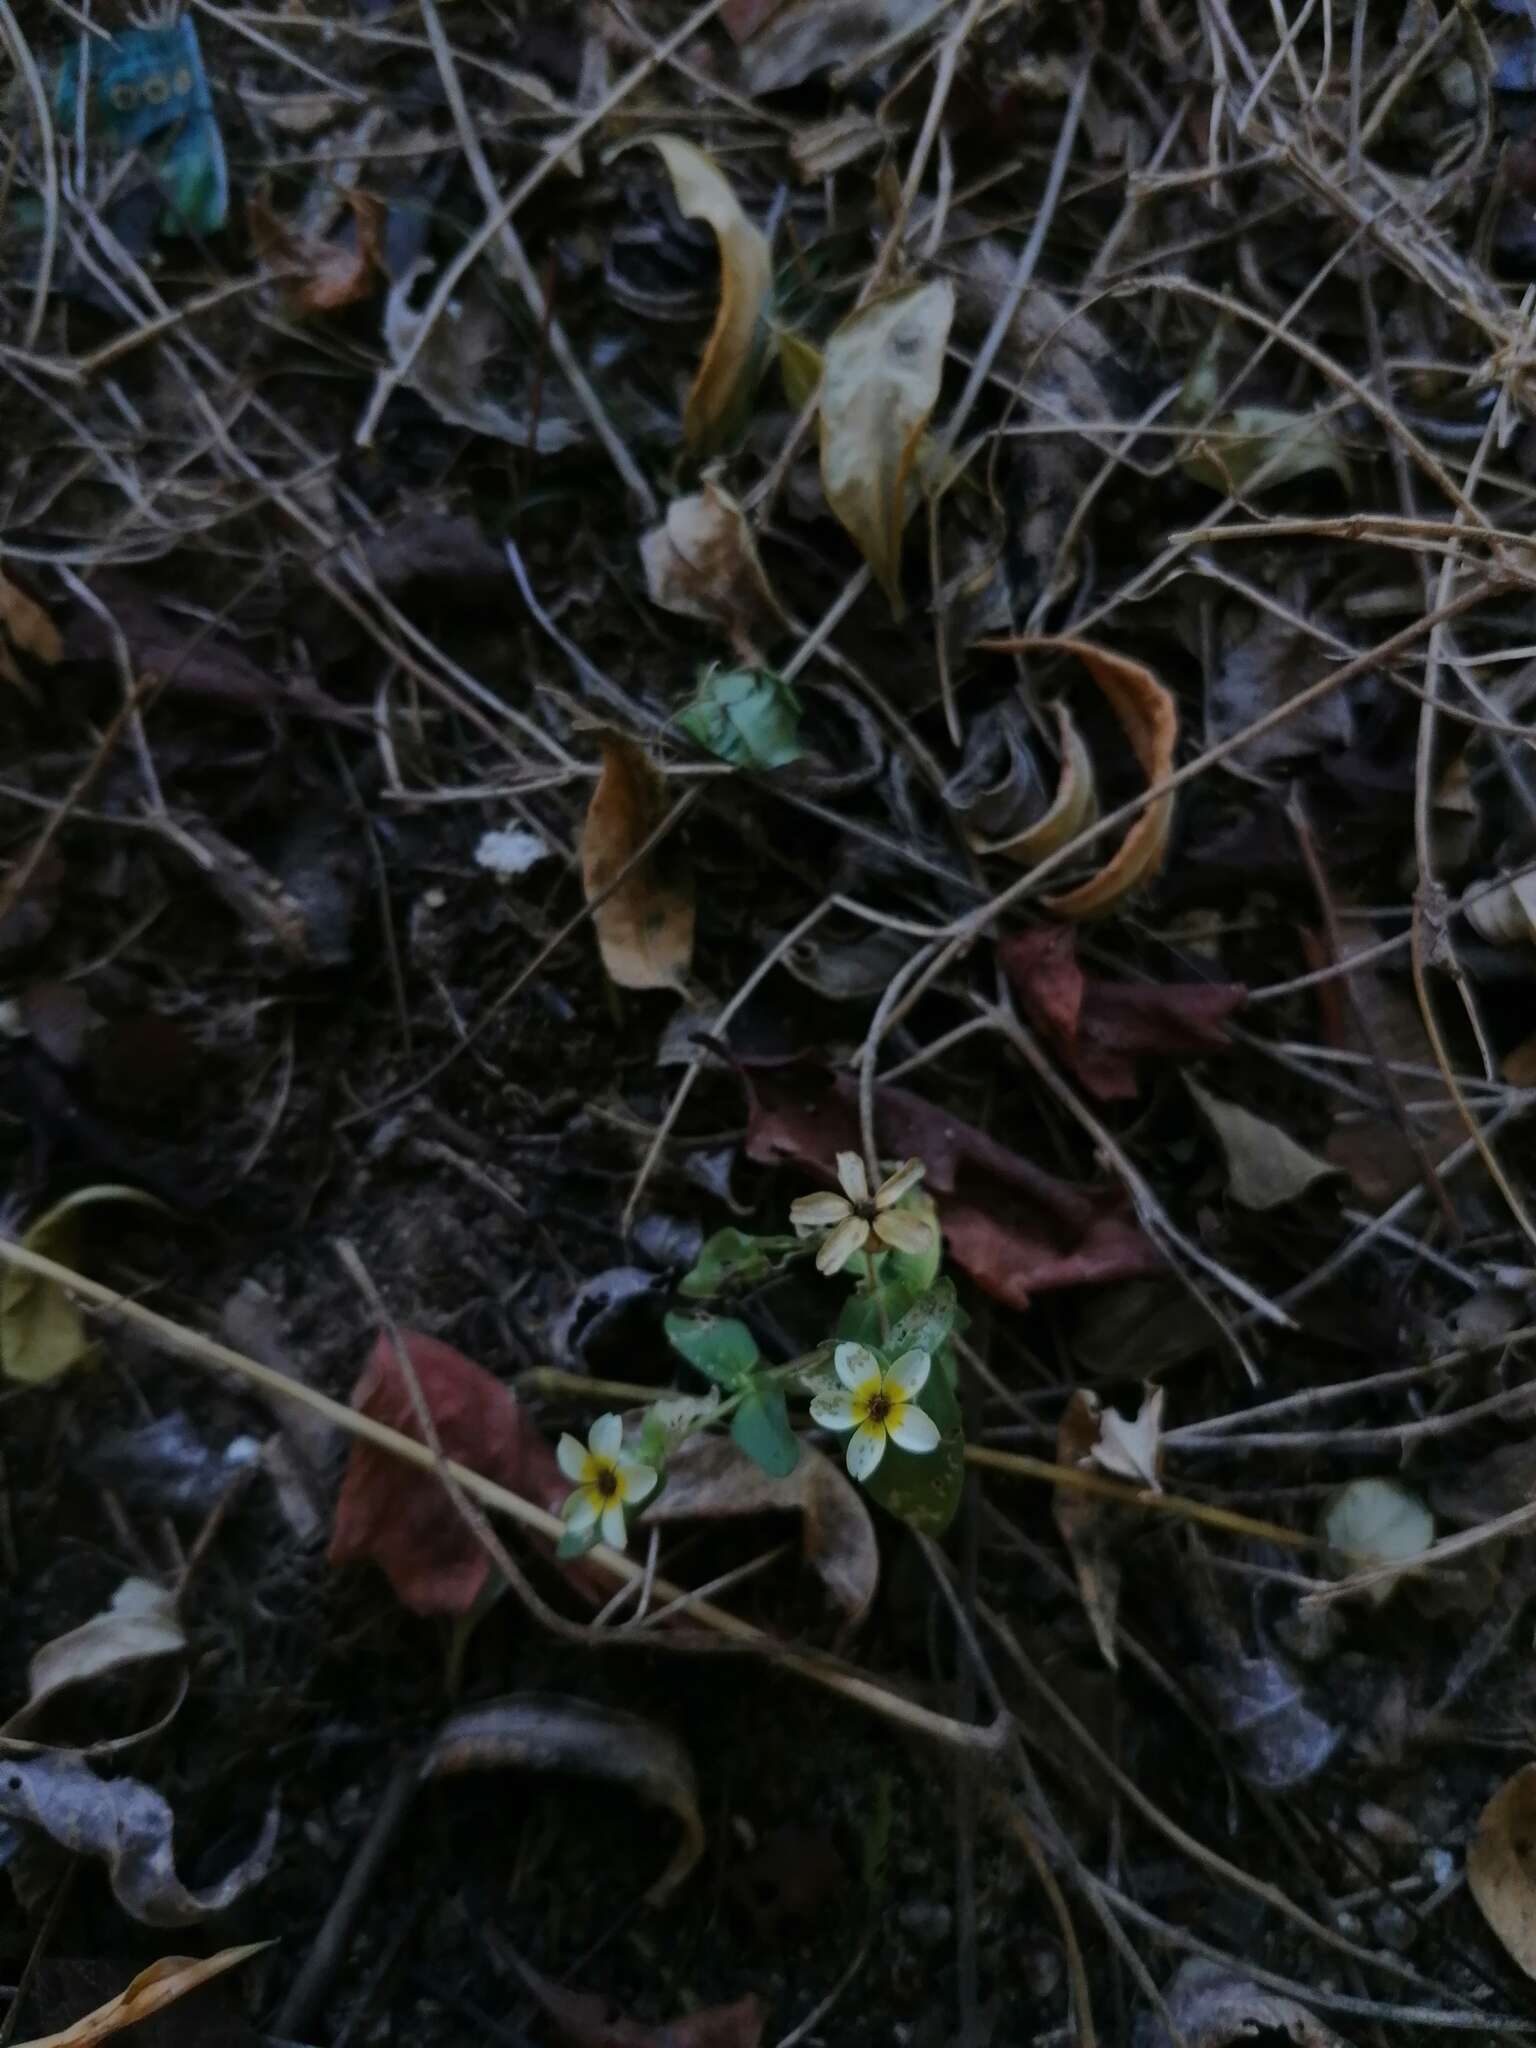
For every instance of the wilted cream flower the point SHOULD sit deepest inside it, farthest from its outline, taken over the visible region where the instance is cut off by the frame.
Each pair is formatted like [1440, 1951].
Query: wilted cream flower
[877, 1403]
[851, 1217]
[606, 1479]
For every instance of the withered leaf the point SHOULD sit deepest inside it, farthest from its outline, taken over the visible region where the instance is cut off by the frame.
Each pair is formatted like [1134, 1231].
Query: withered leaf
[150, 1992]
[318, 276]
[722, 386]
[880, 382]
[644, 924]
[701, 563]
[1501, 1866]
[586, 2019]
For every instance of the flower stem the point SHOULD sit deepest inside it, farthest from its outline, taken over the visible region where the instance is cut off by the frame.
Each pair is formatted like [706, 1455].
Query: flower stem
[1101, 1488]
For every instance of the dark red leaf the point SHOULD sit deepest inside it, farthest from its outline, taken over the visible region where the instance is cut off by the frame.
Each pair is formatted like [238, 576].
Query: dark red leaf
[1099, 1028]
[1014, 1228]
[587, 2020]
[400, 1517]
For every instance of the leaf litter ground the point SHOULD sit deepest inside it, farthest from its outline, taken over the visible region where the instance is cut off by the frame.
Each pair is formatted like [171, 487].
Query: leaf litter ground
[971, 599]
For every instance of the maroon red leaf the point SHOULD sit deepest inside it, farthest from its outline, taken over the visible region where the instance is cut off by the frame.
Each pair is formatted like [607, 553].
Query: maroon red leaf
[400, 1517]
[1015, 1229]
[1099, 1028]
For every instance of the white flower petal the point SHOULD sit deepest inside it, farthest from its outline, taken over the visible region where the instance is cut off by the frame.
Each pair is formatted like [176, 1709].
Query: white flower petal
[909, 1375]
[846, 1242]
[866, 1447]
[899, 1183]
[912, 1429]
[606, 1437]
[571, 1457]
[615, 1535]
[817, 1212]
[638, 1480]
[834, 1411]
[581, 1510]
[855, 1364]
[851, 1177]
[903, 1231]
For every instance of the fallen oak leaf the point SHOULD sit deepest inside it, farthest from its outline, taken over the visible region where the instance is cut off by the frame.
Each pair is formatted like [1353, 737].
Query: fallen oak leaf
[1150, 720]
[723, 383]
[709, 1479]
[1015, 1229]
[320, 276]
[151, 1991]
[546, 1732]
[586, 2019]
[402, 1518]
[1099, 1028]
[644, 924]
[880, 382]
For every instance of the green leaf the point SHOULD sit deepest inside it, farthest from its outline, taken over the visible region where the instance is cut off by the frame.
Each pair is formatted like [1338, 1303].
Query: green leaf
[861, 1320]
[731, 1259]
[928, 1323]
[723, 1350]
[42, 1333]
[923, 1490]
[760, 1427]
[748, 716]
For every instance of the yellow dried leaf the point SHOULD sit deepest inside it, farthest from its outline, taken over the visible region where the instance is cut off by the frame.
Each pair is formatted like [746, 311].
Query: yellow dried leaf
[1501, 1866]
[645, 926]
[42, 1333]
[1150, 721]
[800, 366]
[28, 627]
[880, 383]
[1075, 804]
[150, 1992]
[723, 383]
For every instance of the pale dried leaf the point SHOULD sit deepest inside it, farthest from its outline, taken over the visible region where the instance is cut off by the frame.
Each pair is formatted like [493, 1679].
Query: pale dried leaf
[1132, 1450]
[140, 1627]
[1373, 1523]
[547, 1732]
[1501, 1866]
[450, 367]
[710, 1479]
[150, 1992]
[1505, 915]
[701, 563]
[1265, 1166]
[645, 926]
[1213, 2007]
[880, 382]
[723, 382]
[1086, 1525]
[1074, 806]
[129, 1827]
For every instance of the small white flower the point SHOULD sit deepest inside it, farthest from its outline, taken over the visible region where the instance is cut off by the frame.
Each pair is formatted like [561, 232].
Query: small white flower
[851, 1217]
[605, 1479]
[877, 1404]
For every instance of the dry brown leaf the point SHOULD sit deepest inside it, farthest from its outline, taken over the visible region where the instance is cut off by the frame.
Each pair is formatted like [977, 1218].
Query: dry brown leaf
[645, 926]
[1505, 913]
[150, 1992]
[709, 1478]
[1075, 804]
[25, 624]
[139, 1627]
[880, 383]
[1501, 1866]
[701, 563]
[1087, 1525]
[318, 276]
[1150, 720]
[1212, 2007]
[723, 383]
